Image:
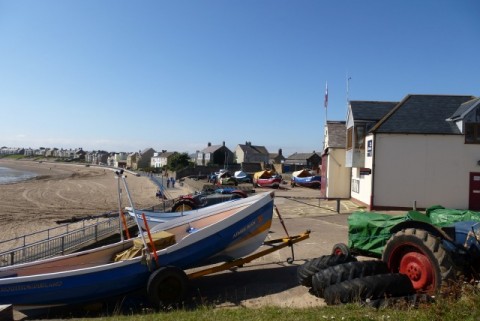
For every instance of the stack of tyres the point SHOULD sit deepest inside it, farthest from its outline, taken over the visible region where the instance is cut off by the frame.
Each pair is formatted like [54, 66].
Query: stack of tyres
[341, 278]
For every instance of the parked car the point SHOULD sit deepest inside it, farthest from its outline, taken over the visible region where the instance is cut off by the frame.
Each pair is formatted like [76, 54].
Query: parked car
[206, 198]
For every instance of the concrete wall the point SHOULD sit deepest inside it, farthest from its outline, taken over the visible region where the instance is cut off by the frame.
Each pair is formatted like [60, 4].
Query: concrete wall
[338, 176]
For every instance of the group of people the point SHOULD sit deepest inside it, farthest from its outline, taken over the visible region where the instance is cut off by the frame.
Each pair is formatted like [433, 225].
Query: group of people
[170, 181]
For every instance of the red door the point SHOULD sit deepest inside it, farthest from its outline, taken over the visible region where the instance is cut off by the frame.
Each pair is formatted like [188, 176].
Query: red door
[323, 182]
[474, 197]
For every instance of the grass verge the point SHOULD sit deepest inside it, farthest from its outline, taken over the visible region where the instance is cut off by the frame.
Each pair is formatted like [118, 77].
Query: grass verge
[465, 306]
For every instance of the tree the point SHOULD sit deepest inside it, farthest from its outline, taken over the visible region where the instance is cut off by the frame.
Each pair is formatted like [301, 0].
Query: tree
[178, 161]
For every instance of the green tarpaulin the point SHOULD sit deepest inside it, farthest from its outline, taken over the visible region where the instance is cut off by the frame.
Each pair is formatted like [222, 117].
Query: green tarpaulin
[368, 232]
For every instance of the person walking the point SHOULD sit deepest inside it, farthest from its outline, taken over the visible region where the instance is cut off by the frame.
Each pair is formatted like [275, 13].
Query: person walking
[168, 182]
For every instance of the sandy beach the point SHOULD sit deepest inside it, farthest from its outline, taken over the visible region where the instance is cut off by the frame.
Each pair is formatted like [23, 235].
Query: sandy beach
[62, 191]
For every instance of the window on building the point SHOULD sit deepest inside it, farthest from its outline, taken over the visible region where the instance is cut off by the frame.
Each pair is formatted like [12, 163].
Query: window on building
[472, 133]
[349, 138]
[360, 136]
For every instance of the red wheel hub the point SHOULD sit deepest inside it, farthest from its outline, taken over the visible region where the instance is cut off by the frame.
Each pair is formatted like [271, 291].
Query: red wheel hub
[338, 252]
[419, 269]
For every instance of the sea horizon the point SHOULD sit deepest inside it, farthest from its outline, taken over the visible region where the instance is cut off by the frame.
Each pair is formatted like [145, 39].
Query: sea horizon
[10, 176]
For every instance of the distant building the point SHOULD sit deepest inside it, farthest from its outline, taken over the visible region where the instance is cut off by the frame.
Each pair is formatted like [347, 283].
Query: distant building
[299, 161]
[96, 157]
[118, 160]
[160, 160]
[12, 151]
[215, 155]
[249, 153]
[277, 158]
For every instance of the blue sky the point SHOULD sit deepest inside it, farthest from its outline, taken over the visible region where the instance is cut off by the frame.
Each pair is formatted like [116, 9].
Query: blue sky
[126, 75]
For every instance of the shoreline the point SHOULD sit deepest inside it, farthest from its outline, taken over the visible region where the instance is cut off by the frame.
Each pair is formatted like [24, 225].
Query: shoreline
[62, 191]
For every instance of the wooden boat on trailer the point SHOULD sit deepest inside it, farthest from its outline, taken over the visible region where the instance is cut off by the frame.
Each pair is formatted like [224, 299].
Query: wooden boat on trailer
[229, 232]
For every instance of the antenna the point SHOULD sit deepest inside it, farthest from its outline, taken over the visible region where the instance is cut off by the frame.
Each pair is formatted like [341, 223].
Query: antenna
[348, 88]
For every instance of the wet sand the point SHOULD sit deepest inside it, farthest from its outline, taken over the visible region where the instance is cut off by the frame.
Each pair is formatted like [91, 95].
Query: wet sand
[63, 191]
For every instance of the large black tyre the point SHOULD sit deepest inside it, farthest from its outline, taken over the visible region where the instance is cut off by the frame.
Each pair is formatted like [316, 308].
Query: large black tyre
[346, 271]
[370, 287]
[309, 268]
[422, 257]
[167, 286]
[183, 206]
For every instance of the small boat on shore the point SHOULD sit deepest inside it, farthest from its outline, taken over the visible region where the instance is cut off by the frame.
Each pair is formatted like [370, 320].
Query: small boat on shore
[267, 178]
[191, 204]
[224, 232]
[306, 178]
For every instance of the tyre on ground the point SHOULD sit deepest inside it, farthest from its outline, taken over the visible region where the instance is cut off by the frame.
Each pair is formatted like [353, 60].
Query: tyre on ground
[309, 268]
[346, 271]
[369, 288]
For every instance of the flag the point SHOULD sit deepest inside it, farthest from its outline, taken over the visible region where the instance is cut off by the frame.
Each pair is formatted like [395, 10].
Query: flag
[326, 95]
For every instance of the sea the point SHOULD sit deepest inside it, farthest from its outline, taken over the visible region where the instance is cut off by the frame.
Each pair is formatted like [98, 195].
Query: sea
[9, 176]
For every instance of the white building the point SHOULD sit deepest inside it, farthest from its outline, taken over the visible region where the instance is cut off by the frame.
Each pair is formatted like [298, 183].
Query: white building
[335, 175]
[425, 151]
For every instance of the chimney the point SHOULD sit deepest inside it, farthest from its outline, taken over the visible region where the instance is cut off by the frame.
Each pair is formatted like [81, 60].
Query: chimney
[280, 152]
[209, 144]
[223, 143]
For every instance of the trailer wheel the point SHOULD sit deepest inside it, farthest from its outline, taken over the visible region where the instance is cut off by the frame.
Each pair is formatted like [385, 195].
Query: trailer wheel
[309, 268]
[167, 286]
[421, 256]
[346, 271]
[370, 287]
[183, 206]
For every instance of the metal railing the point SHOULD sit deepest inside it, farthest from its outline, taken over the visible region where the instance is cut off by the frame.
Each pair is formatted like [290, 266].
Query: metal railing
[59, 243]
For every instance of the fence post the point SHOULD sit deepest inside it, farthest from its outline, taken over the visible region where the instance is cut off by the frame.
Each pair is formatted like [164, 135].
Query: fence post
[338, 205]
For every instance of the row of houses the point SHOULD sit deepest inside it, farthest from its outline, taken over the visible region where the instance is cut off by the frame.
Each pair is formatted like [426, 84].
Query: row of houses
[418, 152]
[248, 153]
[218, 155]
[44, 152]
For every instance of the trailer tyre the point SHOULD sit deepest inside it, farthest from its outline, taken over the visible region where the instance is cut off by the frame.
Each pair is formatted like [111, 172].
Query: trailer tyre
[370, 287]
[167, 286]
[421, 256]
[309, 268]
[343, 272]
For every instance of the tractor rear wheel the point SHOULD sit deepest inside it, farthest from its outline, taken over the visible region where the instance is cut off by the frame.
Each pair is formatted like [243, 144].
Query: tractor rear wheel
[422, 257]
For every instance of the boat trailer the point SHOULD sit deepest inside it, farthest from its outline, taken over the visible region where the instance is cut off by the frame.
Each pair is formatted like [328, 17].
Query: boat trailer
[168, 285]
[274, 245]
